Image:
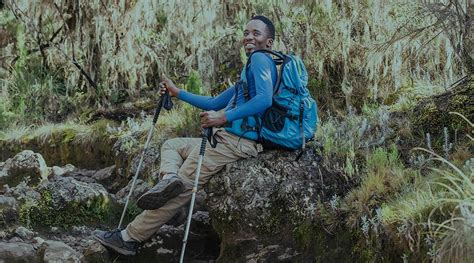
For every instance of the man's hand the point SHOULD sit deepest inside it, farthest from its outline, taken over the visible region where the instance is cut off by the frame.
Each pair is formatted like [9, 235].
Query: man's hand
[212, 119]
[167, 84]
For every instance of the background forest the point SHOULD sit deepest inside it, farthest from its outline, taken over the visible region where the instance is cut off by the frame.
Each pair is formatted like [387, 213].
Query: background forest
[91, 68]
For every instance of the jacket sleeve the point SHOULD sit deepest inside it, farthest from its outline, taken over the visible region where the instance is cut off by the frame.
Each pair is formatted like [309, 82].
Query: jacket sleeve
[207, 102]
[260, 66]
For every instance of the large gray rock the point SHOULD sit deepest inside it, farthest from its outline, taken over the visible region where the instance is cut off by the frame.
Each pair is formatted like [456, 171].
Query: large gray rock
[56, 251]
[259, 202]
[26, 165]
[65, 201]
[17, 252]
[66, 190]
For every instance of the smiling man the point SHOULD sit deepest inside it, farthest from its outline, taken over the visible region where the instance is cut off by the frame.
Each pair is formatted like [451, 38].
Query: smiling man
[232, 113]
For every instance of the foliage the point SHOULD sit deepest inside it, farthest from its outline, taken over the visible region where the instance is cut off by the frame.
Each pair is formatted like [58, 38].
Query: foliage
[357, 52]
[366, 59]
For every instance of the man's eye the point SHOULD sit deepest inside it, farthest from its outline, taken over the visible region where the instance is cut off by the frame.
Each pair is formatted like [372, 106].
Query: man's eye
[257, 33]
[246, 34]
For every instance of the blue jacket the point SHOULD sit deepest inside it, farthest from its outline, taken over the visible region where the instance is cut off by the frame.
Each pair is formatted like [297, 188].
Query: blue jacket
[261, 78]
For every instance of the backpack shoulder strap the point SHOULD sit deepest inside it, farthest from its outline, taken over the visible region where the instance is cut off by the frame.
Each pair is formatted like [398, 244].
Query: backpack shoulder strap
[280, 60]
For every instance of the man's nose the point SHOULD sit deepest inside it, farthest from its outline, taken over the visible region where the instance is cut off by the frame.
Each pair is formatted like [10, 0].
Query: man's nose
[249, 36]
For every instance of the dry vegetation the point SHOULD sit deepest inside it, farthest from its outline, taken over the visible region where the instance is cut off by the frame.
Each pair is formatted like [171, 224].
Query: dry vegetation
[62, 59]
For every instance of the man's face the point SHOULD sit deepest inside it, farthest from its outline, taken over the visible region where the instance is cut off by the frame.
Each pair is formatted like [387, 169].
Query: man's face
[256, 36]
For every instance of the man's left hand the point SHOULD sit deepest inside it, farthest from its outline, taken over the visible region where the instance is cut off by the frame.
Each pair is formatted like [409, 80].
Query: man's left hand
[212, 119]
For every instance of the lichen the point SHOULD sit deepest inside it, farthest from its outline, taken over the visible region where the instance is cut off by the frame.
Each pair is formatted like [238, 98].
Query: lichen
[43, 213]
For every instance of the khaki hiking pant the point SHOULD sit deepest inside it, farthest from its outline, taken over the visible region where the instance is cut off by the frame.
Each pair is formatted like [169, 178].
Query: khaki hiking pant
[180, 156]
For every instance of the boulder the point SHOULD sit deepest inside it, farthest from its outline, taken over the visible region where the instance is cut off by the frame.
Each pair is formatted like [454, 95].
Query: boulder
[26, 165]
[65, 190]
[17, 252]
[261, 202]
[65, 201]
[57, 251]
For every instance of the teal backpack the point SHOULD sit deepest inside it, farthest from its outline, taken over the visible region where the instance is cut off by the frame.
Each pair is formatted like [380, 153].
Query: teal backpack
[292, 119]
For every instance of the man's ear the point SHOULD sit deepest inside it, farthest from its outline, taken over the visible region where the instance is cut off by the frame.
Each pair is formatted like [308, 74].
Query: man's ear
[269, 42]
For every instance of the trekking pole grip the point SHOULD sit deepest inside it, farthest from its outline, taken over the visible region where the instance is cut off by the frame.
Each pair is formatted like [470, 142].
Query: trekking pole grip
[203, 145]
[165, 101]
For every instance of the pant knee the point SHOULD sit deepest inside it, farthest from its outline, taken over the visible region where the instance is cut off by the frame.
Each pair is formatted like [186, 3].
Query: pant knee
[169, 144]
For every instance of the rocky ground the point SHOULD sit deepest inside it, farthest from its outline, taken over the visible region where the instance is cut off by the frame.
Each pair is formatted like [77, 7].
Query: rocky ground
[48, 214]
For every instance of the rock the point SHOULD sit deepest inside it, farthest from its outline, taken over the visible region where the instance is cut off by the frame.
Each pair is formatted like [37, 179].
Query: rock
[5, 188]
[272, 253]
[24, 233]
[64, 190]
[431, 114]
[152, 154]
[22, 192]
[104, 175]
[140, 188]
[38, 240]
[56, 251]
[65, 201]
[80, 230]
[26, 165]
[259, 202]
[200, 222]
[60, 171]
[167, 242]
[17, 252]
[128, 153]
[8, 211]
[7, 202]
[54, 230]
[15, 240]
[96, 252]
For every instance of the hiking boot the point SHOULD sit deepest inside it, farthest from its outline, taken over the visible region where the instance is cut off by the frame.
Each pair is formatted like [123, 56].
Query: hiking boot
[113, 239]
[161, 193]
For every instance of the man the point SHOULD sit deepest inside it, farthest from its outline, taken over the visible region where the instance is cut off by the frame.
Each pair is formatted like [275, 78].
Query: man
[179, 156]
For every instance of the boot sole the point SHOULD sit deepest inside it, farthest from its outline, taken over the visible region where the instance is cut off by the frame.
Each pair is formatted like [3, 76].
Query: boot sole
[116, 249]
[152, 201]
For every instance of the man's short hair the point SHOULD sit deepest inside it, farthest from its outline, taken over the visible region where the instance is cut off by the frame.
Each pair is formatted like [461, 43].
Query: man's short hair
[268, 23]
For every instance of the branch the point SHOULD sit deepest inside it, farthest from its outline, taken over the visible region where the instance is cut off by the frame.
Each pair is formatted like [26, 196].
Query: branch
[38, 40]
[56, 45]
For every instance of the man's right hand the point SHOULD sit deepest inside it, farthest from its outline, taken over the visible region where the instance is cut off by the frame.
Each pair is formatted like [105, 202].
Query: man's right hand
[167, 84]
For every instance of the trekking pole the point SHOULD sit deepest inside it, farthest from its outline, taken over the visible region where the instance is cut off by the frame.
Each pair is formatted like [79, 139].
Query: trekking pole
[165, 101]
[206, 135]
